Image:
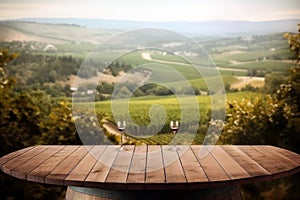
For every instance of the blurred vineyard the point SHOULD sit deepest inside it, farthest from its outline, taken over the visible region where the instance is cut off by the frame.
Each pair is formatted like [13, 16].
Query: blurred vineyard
[32, 117]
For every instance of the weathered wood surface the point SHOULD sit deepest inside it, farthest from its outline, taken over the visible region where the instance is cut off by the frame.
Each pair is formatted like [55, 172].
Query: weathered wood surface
[150, 167]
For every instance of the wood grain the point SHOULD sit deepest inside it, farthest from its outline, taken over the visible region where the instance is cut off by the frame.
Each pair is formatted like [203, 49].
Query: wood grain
[193, 170]
[211, 167]
[13, 155]
[229, 165]
[150, 167]
[99, 172]
[78, 175]
[173, 168]
[120, 168]
[155, 173]
[137, 171]
[23, 159]
[248, 164]
[22, 170]
[63, 169]
[43, 170]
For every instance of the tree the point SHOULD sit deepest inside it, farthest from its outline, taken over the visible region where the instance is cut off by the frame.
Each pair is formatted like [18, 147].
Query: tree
[273, 119]
[19, 117]
[5, 57]
[28, 118]
[289, 95]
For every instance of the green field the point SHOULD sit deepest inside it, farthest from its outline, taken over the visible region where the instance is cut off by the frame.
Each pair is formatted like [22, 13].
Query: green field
[140, 111]
[265, 65]
[245, 56]
[139, 106]
[244, 61]
[166, 139]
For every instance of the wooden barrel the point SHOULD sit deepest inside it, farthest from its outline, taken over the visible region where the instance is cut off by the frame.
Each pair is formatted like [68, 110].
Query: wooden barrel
[224, 193]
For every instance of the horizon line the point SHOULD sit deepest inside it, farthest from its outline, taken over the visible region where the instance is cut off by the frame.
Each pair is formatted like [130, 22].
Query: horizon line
[148, 21]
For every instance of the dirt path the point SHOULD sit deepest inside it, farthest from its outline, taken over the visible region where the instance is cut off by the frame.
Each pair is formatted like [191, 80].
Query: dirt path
[242, 81]
[147, 56]
[231, 69]
[113, 131]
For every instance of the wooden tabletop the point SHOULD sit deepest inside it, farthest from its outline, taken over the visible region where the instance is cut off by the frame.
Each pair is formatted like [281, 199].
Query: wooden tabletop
[150, 167]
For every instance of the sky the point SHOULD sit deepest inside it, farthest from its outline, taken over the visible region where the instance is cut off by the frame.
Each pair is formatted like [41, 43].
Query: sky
[153, 10]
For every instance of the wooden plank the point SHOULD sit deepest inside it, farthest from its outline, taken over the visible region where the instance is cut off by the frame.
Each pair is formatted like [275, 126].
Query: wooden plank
[150, 167]
[120, 168]
[211, 167]
[99, 172]
[230, 166]
[137, 171]
[192, 168]
[286, 163]
[78, 175]
[62, 170]
[13, 155]
[249, 165]
[155, 173]
[22, 159]
[291, 155]
[272, 164]
[21, 171]
[271, 151]
[173, 168]
[39, 173]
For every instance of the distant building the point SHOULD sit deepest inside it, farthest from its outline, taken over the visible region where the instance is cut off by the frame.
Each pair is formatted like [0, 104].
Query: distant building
[90, 92]
[50, 47]
[73, 89]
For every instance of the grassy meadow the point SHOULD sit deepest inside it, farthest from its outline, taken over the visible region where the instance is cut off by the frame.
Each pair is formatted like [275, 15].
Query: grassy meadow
[141, 110]
[139, 106]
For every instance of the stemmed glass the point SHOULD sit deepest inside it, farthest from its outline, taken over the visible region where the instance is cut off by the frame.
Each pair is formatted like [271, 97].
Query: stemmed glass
[121, 127]
[174, 126]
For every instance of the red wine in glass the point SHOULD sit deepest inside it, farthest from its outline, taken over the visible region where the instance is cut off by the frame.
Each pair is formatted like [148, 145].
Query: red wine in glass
[174, 126]
[121, 128]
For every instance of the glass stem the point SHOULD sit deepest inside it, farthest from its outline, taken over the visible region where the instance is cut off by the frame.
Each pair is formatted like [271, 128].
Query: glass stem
[121, 138]
[174, 133]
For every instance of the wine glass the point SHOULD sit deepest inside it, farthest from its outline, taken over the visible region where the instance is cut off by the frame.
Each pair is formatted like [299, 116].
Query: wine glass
[121, 127]
[174, 126]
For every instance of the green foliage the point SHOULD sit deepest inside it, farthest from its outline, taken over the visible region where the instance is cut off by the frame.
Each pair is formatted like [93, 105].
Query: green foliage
[289, 95]
[37, 71]
[273, 81]
[254, 121]
[115, 68]
[5, 57]
[19, 122]
[249, 87]
[294, 43]
[272, 119]
[20, 115]
[105, 88]
[28, 118]
[58, 126]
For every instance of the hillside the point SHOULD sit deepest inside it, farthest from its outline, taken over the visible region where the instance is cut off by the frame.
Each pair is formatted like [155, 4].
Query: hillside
[219, 28]
[51, 33]
[52, 54]
[61, 30]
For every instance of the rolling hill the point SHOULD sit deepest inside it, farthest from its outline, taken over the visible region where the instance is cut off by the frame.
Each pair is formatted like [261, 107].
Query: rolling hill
[220, 28]
[62, 30]
[51, 33]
